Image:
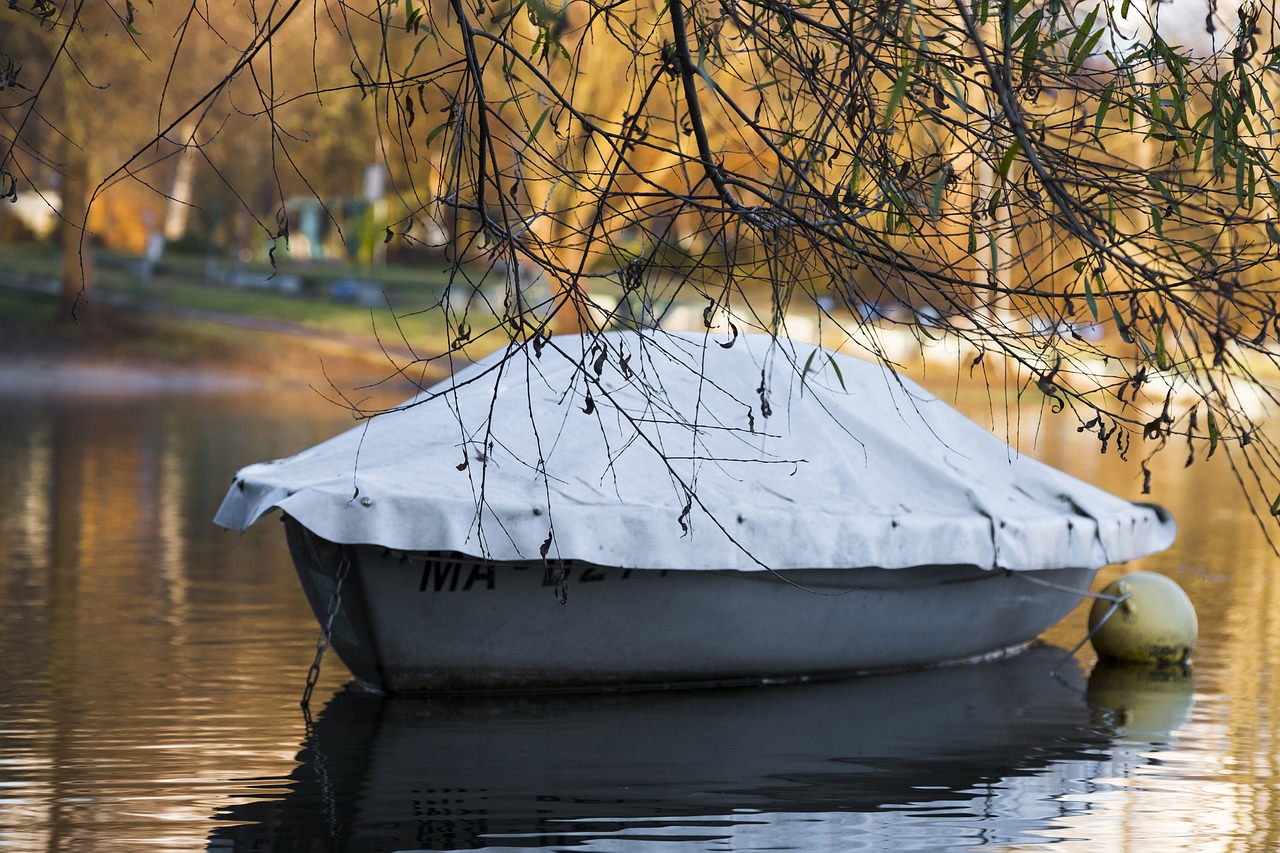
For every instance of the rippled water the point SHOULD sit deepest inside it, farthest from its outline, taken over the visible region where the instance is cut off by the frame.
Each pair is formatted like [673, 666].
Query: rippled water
[152, 664]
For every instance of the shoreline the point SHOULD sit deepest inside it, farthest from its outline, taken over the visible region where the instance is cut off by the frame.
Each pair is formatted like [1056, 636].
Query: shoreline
[145, 349]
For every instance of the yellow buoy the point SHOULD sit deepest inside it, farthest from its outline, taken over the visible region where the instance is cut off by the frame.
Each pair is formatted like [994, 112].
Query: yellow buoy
[1155, 623]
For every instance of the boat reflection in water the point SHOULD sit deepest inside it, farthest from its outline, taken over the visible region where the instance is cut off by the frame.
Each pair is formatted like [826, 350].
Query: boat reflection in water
[805, 764]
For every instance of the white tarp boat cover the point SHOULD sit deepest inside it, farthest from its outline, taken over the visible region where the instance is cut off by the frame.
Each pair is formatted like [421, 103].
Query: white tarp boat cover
[664, 451]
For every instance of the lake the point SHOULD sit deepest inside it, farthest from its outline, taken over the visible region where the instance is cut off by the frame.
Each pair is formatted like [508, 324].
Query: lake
[152, 667]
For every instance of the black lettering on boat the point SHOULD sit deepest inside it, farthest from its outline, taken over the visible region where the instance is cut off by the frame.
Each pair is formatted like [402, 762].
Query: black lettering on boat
[626, 573]
[439, 573]
[590, 574]
[480, 571]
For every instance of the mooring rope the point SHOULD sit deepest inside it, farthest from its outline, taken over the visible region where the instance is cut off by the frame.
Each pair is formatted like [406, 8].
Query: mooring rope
[1116, 601]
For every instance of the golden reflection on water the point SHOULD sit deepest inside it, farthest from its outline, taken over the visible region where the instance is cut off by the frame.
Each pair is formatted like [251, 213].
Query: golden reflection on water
[153, 663]
[26, 526]
[126, 710]
[1212, 785]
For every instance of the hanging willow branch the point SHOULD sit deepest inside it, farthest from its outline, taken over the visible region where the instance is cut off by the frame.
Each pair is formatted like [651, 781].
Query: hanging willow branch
[1059, 184]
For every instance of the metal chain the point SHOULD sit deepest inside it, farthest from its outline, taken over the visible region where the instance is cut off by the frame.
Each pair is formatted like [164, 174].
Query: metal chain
[326, 631]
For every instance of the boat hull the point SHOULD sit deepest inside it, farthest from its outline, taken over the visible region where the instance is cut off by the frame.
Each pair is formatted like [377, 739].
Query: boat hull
[409, 623]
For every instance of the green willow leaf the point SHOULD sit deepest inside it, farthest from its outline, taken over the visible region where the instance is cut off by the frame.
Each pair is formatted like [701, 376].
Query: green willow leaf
[895, 96]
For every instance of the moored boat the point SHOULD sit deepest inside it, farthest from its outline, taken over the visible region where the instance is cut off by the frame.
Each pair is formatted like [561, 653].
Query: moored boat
[649, 508]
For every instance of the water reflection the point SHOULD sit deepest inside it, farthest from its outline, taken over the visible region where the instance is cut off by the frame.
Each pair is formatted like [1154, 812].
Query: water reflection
[800, 764]
[152, 665]
[1143, 701]
[135, 635]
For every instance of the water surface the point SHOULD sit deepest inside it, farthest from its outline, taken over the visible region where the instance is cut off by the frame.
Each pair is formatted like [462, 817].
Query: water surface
[152, 666]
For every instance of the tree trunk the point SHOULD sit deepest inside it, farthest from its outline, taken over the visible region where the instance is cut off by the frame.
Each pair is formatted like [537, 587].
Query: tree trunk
[76, 288]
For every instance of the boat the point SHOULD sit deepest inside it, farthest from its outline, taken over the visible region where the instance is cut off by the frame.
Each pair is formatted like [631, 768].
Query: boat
[641, 508]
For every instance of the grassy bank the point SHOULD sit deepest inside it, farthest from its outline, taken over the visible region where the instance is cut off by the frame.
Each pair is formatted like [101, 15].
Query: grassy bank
[175, 319]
